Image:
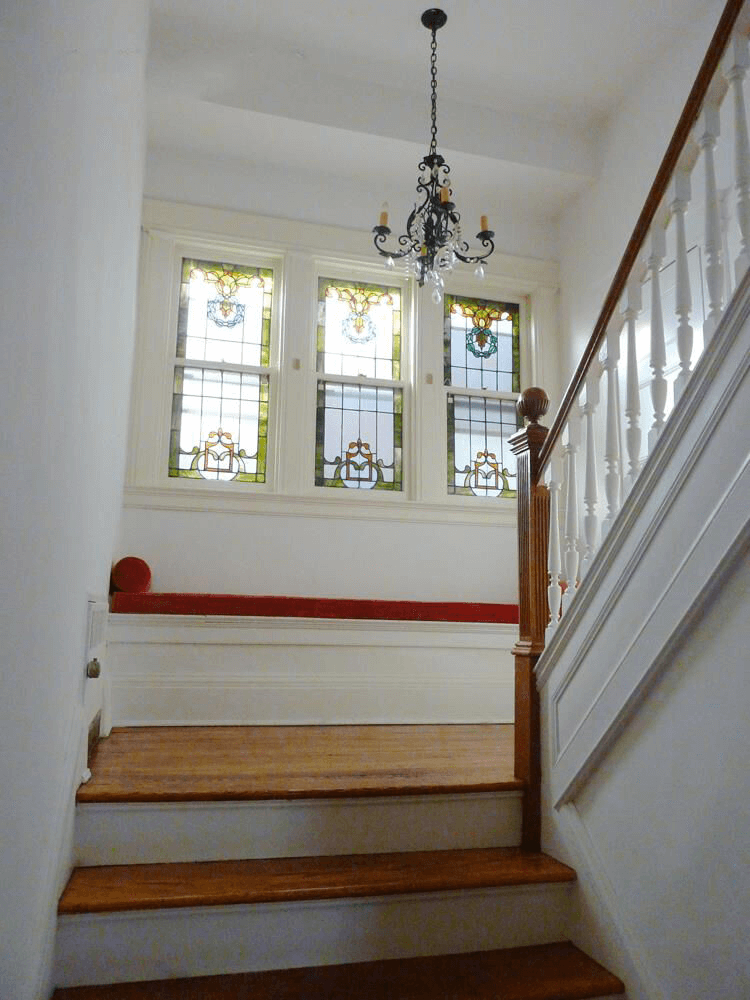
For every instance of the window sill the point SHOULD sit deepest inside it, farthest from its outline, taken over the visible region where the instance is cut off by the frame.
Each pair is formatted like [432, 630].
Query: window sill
[459, 510]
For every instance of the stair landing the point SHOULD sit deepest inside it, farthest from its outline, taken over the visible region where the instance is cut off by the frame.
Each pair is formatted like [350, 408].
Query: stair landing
[215, 763]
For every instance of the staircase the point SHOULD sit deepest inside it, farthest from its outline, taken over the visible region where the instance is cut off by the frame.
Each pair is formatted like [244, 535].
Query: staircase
[313, 861]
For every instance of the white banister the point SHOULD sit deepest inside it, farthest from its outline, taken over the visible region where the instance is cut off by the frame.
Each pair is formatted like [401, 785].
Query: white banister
[633, 306]
[658, 358]
[738, 60]
[683, 297]
[612, 432]
[554, 560]
[590, 490]
[707, 132]
[572, 440]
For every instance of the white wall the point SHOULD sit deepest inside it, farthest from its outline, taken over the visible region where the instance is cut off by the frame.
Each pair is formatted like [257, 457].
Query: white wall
[669, 810]
[595, 229]
[72, 165]
[288, 537]
[326, 556]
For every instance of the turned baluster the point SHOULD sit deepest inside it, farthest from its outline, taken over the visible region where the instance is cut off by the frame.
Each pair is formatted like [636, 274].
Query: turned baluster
[658, 359]
[725, 219]
[633, 306]
[554, 559]
[590, 490]
[571, 441]
[683, 298]
[707, 134]
[737, 62]
[612, 433]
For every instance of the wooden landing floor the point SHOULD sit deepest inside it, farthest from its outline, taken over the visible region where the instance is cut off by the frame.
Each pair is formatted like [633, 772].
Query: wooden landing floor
[214, 763]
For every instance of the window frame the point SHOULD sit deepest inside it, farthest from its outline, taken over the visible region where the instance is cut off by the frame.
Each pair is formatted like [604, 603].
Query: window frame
[299, 254]
[476, 392]
[152, 403]
[351, 273]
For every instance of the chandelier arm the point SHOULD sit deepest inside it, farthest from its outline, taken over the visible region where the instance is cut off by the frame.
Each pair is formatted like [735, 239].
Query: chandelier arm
[486, 241]
[381, 235]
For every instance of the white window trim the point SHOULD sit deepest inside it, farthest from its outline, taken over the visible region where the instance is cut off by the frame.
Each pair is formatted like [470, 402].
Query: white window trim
[299, 254]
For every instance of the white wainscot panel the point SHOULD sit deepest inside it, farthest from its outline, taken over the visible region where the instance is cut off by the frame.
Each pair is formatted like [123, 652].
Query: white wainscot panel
[172, 670]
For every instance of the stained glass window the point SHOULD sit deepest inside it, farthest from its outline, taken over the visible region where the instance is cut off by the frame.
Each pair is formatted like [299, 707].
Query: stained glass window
[480, 462]
[481, 344]
[359, 329]
[219, 428]
[358, 440]
[360, 403]
[481, 352]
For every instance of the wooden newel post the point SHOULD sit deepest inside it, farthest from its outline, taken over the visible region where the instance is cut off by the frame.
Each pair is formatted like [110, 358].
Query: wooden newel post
[533, 532]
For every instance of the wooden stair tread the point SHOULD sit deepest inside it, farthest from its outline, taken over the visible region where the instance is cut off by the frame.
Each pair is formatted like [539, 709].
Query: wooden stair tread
[540, 972]
[111, 888]
[215, 763]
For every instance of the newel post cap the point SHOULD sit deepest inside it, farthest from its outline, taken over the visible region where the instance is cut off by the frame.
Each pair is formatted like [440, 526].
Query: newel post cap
[532, 404]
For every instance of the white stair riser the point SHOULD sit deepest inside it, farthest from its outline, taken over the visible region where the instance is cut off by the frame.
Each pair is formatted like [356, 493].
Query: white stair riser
[161, 944]
[168, 669]
[139, 833]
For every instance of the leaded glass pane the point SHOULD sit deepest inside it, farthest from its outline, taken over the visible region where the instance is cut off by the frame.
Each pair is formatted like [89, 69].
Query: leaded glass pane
[358, 439]
[481, 344]
[225, 313]
[359, 329]
[480, 462]
[219, 425]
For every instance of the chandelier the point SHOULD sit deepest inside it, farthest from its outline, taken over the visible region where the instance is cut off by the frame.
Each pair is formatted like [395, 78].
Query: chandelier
[433, 240]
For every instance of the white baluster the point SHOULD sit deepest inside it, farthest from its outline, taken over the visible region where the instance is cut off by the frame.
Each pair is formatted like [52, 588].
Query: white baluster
[725, 219]
[554, 561]
[737, 62]
[658, 358]
[572, 439]
[620, 443]
[683, 298]
[707, 133]
[632, 393]
[612, 443]
[590, 491]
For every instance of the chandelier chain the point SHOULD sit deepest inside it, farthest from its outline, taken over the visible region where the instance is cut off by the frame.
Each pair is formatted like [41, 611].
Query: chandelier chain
[433, 74]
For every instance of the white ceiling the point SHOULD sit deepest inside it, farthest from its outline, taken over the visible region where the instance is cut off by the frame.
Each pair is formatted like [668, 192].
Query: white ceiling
[262, 104]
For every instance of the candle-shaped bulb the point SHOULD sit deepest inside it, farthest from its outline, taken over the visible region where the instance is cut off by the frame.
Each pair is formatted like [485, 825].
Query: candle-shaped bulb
[383, 214]
[445, 194]
[484, 224]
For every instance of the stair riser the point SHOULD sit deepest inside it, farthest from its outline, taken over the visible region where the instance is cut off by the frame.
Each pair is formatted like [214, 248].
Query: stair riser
[133, 833]
[167, 669]
[160, 944]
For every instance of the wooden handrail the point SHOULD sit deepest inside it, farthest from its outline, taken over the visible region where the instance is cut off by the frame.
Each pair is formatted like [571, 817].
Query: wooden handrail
[656, 194]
